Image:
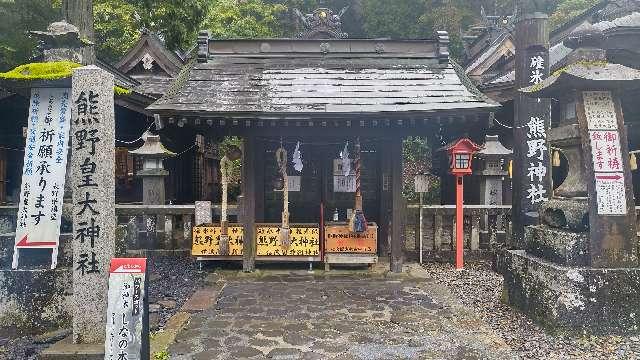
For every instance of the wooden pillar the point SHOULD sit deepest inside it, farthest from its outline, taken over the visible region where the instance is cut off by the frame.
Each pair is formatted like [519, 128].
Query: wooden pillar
[396, 205]
[385, 198]
[249, 203]
[260, 160]
[531, 121]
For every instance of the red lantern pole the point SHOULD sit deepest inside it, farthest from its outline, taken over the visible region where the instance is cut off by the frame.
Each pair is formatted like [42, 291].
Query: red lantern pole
[459, 223]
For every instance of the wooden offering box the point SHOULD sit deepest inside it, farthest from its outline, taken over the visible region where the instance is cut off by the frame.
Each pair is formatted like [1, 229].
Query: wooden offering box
[305, 243]
[342, 246]
[206, 242]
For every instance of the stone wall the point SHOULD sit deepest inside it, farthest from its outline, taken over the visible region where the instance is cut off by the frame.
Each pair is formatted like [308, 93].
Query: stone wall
[35, 298]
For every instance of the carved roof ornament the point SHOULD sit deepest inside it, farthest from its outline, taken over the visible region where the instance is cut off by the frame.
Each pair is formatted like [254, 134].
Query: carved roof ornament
[322, 24]
[147, 62]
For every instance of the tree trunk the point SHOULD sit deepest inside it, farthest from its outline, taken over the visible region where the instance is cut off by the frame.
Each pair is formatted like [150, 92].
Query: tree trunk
[80, 14]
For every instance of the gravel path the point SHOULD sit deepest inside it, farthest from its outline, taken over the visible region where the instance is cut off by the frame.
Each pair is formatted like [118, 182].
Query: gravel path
[480, 287]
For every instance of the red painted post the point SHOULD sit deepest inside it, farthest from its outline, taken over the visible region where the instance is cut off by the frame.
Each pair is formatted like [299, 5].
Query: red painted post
[459, 223]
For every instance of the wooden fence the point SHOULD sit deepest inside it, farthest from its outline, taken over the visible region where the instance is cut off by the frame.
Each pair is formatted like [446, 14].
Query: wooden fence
[169, 226]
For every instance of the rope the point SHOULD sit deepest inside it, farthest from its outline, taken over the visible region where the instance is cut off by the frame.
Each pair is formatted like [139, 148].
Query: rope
[224, 223]
[139, 138]
[281, 158]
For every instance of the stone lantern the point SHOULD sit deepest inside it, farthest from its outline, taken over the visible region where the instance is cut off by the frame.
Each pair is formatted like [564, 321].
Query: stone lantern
[493, 154]
[580, 270]
[153, 173]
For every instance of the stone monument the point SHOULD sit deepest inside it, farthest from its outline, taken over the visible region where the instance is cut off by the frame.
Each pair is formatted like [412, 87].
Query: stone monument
[93, 185]
[580, 270]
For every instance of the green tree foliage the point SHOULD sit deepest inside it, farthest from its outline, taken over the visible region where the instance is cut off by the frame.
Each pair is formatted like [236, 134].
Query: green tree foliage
[18, 17]
[394, 19]
[244, 19]
[118, 22]
[116, 29]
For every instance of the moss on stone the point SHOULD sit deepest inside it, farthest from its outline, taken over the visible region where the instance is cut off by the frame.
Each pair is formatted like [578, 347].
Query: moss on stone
[121, 91]
[49, 71]
[41, 71]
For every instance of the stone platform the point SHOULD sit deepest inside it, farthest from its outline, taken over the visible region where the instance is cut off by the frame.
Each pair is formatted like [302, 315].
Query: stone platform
[561, 246]
[571, 298]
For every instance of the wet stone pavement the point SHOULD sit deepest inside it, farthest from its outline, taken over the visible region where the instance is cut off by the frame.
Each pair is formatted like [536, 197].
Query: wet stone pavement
[306, 317]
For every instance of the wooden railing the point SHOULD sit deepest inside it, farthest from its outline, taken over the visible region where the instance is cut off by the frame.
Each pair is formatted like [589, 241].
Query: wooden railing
[165, 227]
[169, 227]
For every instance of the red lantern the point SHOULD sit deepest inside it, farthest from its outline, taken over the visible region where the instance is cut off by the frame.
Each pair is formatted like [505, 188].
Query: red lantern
[460, 154]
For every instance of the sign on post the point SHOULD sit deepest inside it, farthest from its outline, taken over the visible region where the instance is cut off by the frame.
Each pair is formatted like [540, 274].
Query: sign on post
[43, 173]
[606, 152]
[127, 329]
[421, 183]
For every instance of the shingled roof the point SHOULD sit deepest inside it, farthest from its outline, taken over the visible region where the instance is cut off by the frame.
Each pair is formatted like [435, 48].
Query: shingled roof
[321, 76]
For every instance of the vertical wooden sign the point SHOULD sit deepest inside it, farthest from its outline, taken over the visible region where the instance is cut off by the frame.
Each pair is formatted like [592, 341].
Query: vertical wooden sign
[531, 170]
[612, 218]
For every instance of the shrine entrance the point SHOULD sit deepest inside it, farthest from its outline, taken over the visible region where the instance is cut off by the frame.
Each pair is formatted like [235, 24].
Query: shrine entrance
[321, 189]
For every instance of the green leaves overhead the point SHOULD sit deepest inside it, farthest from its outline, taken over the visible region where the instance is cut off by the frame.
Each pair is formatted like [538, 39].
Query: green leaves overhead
[118, 22]
[244, 19]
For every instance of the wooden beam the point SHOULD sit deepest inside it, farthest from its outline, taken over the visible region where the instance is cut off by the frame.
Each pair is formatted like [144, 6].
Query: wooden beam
[249, 203]
[396, 205]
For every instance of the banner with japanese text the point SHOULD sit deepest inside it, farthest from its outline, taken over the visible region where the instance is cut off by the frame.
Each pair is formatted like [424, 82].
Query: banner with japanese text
[43, 174]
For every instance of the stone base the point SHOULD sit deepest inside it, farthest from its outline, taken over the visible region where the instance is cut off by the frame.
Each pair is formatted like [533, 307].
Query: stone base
[66, 350]
[598, 301]
[559, 246]
[35, 300]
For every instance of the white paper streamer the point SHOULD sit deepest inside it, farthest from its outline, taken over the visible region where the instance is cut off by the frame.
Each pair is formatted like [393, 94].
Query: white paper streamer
[297, 158]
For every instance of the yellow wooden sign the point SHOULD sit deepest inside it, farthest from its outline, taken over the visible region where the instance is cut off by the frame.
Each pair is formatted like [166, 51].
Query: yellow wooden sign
[340, 239]
[305, 241]
[206, 241]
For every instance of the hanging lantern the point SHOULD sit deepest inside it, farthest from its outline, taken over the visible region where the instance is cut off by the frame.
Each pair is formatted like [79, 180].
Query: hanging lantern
[510, 169]
[633, 162]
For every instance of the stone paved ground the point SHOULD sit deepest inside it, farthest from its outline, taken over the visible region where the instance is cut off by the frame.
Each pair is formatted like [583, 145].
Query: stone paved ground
[336, 317]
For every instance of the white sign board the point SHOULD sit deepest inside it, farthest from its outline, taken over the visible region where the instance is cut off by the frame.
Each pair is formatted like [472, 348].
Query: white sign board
[606, 152]
[421, 183]
[293, 182]
[600, 110]
[610, 191]
[127, 329]
[43, 173]
[344, 183]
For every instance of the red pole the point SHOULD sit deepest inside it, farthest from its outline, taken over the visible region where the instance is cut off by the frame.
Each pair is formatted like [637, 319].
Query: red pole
[459, 223]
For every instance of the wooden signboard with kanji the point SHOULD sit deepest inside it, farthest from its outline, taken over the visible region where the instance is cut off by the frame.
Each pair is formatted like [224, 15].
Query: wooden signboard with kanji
[305, 241]
[206, 240]
[340, 239]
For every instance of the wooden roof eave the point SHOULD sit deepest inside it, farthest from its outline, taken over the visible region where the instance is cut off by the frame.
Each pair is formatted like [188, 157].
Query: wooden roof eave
[615, 77]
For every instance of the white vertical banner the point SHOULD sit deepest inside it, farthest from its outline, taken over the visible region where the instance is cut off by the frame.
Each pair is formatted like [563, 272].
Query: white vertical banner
[43, 174]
